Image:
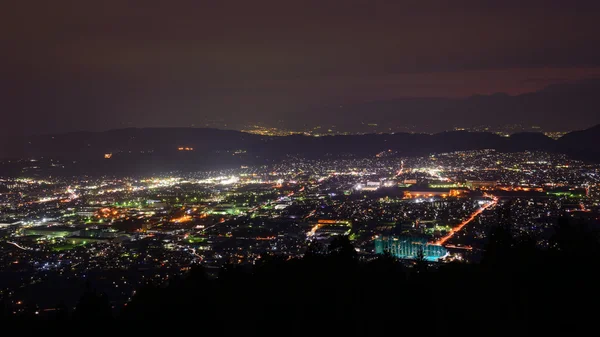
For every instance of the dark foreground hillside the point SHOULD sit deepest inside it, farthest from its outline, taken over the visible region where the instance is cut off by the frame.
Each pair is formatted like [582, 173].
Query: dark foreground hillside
[517, 289]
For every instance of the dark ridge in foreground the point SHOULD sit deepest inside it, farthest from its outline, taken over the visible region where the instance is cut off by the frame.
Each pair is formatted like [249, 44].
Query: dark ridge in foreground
[516, 287]
[164, 149]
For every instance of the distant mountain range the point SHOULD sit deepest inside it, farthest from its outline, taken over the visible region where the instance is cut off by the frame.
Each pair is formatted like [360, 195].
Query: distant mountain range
[557, 107]
[565, 106]
[162, 149]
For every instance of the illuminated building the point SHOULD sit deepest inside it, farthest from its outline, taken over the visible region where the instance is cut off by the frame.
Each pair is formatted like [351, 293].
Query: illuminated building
[405, 247]
[87, 211]
[108, 155]
[370, 186]
[444, 185]
[477, 184]
[325, 227]
[156, 204]
[427, 192]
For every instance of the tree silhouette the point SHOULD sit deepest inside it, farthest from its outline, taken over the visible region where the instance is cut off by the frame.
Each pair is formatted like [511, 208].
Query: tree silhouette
[92, 306]
[499, 245]
[574, 239]
[314, 249]
[62, 311]
[420, 261]
[342, 248]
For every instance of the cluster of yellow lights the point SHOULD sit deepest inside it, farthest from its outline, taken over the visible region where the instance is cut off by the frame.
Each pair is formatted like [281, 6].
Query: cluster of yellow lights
[185, 148]
[453, 193]
[185, 218]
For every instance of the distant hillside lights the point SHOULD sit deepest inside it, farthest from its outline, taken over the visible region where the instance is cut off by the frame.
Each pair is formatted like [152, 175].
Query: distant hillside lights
[107, 155]
[185, 148]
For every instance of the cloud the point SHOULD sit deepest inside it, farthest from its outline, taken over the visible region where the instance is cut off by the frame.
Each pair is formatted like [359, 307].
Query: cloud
[95, 65]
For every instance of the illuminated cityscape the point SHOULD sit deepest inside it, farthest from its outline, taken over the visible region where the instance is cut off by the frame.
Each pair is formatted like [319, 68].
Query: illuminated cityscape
[300, 168]
[148, 230]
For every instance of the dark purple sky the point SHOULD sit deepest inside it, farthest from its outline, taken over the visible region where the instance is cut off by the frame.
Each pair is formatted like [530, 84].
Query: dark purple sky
[95, 65]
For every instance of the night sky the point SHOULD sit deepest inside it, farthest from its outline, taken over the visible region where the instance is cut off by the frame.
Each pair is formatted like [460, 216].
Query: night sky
[97, 65]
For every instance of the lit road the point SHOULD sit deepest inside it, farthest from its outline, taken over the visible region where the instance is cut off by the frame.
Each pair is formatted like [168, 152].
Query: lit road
[17, 245]
[460, 226]
[401, 168]
[311, 214]
[459, 247]
[313, 231]
[472, 217]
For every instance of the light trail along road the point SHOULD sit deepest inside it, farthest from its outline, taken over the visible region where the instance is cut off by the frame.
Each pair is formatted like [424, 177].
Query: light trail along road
[460, 226]
[17, 245]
